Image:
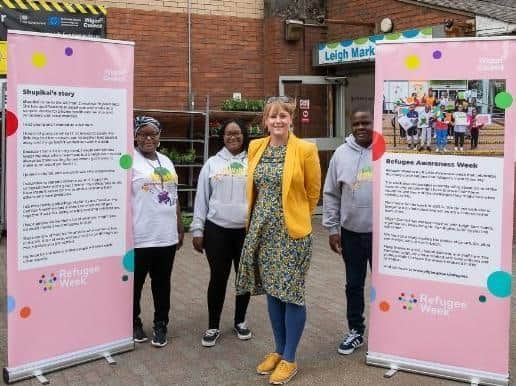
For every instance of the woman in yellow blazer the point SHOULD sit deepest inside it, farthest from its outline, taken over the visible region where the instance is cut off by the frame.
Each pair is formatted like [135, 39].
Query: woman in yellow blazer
[283, 187]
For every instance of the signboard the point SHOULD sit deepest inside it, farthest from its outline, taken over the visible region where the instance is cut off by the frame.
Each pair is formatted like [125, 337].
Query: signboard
[52, 17]
[69, 250]
[443, 226]
[363, 48]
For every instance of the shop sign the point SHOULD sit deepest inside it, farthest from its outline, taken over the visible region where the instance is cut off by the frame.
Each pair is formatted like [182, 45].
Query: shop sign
[362, 49]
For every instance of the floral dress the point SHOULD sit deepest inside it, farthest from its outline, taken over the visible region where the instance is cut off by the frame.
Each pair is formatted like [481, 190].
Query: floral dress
[272, 262]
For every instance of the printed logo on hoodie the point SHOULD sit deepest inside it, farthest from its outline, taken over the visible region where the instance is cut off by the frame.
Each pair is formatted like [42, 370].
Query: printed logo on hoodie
[234, 169]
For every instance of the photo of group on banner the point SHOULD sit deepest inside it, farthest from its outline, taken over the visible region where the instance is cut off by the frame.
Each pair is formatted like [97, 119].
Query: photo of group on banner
[444, 116]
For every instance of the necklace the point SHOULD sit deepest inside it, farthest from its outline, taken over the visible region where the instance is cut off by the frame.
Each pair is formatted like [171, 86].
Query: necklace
[157, 170]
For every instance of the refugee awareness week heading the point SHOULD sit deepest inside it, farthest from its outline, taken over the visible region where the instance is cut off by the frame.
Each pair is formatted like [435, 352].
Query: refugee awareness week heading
[431, 163]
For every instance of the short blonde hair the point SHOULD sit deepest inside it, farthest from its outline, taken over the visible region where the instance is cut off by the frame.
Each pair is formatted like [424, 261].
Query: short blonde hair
[275, 106]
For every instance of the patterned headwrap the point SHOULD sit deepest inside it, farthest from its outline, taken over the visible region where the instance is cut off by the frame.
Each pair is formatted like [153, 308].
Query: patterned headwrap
[143, 120]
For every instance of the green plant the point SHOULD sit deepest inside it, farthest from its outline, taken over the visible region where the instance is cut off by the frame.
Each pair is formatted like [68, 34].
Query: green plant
[186, 218]
[189, 156]
[174, 155]
[242, 105]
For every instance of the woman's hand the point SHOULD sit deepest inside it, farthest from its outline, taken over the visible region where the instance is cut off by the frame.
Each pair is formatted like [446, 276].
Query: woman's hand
[198, 244]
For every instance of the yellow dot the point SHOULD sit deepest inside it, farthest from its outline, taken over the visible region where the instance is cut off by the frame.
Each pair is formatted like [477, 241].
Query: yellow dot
[412, 62]
[39, 60]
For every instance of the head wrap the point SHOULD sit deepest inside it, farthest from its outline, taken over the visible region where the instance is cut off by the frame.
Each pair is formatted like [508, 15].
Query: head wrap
[143, 120]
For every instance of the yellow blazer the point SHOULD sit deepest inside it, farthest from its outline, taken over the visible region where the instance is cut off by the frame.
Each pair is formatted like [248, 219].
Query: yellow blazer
[301, 183]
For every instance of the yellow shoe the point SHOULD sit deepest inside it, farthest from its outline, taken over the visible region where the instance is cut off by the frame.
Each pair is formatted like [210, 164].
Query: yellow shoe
[268, 364]
[283, 373]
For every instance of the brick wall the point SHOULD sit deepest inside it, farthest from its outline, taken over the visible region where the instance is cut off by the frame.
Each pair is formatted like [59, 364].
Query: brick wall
[238, 8]
[404, 16]
[226, 56]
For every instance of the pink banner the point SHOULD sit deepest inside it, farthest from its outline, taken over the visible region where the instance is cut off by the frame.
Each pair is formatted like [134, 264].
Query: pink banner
[443, 218]
[69, 246]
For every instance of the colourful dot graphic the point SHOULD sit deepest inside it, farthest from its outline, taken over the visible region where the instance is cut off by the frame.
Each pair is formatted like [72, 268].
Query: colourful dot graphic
[482, 299]
[412, 62]
[126, 161]
[372, 294]
[125, 278]
[378, 145]
[68, 51]
[499, 284]
[39, 60]
[437, 54]
[25, 312]
[503, 100]
[11, 123]
[128, 261]
[384, 306]
[11, 304]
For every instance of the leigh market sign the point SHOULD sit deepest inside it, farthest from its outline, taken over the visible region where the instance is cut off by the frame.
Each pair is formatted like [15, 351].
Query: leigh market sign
[361, 49]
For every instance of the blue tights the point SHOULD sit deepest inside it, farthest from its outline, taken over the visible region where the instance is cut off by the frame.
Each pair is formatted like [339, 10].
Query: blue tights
[288, 321]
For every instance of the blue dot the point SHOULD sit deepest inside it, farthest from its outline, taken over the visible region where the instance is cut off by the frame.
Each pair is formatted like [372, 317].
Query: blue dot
[372, 295]
[128, 261]
[11, 303]
[499, 283]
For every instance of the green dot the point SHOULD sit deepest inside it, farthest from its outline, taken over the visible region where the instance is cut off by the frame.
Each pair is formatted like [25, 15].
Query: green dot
[482, 299]
[361, 41]
[427, 31]
[503, 100]
[332, 45]
[126, 161]
[393, 36]
[499, 284]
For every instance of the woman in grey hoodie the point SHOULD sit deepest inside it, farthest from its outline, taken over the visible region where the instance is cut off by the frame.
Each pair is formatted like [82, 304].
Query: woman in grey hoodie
[219, 222]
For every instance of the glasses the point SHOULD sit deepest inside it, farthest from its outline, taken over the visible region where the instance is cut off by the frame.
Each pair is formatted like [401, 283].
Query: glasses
[283, 99]
[232, 135]
[147, 135]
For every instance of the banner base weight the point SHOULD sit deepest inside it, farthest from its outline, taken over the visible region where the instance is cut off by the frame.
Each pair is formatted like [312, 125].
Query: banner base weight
[473, 377]
[37, 369]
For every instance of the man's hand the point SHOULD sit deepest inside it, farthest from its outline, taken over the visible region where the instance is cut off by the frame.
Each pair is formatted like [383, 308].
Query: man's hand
[198, 244]
[334, 241]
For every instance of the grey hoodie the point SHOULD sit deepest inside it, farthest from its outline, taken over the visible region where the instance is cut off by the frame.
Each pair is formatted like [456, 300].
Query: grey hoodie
[221, 194]
[348, 195]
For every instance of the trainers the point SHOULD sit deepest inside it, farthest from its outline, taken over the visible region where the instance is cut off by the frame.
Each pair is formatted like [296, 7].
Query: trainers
[283, 372]
[461, 149]
[210, 337]
[139, 335]
[445, 150]
[243, 332]
[269, 363]
[159, 338]
[437, 150]
[351, 342]
[455, 148]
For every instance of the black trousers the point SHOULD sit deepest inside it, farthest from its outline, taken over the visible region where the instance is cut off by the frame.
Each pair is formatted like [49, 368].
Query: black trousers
[357, 249]
[223, 248]
[474, 138]
[157, 262]
[459, 139]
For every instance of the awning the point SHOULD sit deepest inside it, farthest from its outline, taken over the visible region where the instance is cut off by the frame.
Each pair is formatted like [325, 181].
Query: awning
[51, 17]
[361, 49]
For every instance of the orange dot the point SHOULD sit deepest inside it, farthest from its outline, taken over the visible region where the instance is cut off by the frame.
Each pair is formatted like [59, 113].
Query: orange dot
[25, 312]
[384, 306]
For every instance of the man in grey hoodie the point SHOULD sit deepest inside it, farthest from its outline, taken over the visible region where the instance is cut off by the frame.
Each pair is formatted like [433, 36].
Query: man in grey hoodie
[347, 201]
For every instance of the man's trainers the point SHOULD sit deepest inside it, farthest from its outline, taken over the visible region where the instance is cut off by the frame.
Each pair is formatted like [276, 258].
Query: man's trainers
[210, 337]
[159, 339]
[283, 372]
[351, 342]
[139, 335]
[243, 332]
[268, 364]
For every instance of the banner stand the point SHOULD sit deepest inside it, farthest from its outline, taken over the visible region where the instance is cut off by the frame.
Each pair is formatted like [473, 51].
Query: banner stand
[434, 370]
[37, 369]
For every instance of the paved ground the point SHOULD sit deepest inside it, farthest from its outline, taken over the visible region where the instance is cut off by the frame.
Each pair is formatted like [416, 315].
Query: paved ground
[232, 362]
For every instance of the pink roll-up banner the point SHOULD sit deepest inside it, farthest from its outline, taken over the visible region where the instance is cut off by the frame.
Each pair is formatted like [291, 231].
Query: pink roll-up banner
[69, 243]
[443, 213]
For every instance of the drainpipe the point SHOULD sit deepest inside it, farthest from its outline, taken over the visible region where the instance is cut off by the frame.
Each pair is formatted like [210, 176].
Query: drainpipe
[190, 96]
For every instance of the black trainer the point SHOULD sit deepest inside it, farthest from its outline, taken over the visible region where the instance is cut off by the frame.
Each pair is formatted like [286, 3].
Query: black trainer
[210, 337]
[352, 341]
[159, 338]
[243, 332]
[139, 335]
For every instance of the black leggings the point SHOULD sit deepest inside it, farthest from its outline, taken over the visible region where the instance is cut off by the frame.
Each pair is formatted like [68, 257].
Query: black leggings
[223, 247]
[157, 262]
[474, 138]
